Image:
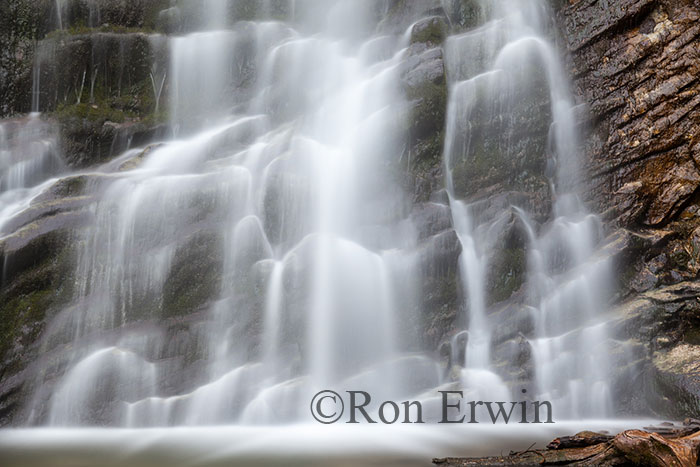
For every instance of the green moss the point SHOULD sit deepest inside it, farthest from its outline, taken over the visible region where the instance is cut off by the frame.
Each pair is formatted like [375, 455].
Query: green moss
[31, 293]
[156, 118]
[111, 71]
[85, 137]
[83, 30]
[151, 12]
[195, 275]
[109, 99]
[137, 101]
[91, 112]
[22, 311]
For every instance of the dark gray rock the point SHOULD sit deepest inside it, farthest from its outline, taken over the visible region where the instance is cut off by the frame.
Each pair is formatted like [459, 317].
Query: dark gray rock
[403, 13]
[431, 219]
[431, 30]
[662, 324]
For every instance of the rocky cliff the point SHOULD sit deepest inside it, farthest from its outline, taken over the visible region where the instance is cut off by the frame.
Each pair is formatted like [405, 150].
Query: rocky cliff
[635, 69]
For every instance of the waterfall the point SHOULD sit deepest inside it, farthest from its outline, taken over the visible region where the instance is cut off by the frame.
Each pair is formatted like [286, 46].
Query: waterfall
[29, 155]
[269, 248]
[286, 183]
[491, 73]
[61, 7]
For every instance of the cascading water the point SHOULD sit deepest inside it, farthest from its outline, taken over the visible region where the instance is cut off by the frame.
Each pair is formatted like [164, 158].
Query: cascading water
[268, 250]
[29, 155]
[63, 13]
[567, 284]
[311, 252]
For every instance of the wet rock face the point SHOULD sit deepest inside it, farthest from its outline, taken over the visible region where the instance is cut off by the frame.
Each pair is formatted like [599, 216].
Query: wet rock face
[19, 23]
[508, 150]
[661, 363]
[636, 65]
[112, 63]
[93, 63]
[402, 13]
[98, 86]
[92, 13]
[37, 278]
[505, 167]
[22, 22]
[424, 84]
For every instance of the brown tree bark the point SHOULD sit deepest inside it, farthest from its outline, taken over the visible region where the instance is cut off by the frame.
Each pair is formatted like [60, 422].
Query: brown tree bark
[629, 448]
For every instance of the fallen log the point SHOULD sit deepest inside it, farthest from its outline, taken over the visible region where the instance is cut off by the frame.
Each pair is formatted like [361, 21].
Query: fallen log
[579, 440]
[652, 449]
[631, 447]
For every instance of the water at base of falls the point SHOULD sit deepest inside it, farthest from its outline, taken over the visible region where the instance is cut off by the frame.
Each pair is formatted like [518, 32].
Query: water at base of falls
[280, 201]
[302, 445]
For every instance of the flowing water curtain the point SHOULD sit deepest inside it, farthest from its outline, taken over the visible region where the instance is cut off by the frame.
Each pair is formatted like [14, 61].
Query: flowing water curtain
[512, 74]
[29, 155]
[280, 181]
[267, 250]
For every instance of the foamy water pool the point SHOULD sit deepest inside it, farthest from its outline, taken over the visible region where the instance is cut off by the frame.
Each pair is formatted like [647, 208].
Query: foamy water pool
[337, 445]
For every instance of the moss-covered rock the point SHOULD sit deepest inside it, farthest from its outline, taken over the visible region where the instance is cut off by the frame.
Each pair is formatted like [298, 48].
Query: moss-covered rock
[503, 137]
[21, 22]
[403, 13]
[25, 305]
[428, 113]
[192, 15]
[431, 30]
[425, 167]
[425, 89]
[99, 86]
[195, 275]
[92, 66]
[37, 279]
[441, 300]
[466, 14]
[122, 13]
[90, 135]
[506, 273]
